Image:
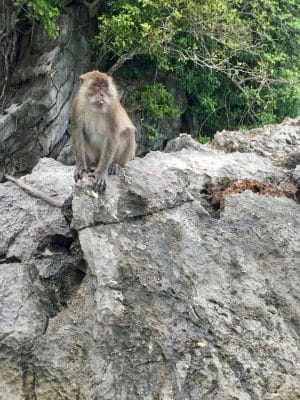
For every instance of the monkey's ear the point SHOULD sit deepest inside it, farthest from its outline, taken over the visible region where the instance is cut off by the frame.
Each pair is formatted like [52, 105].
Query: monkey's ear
[82, 78]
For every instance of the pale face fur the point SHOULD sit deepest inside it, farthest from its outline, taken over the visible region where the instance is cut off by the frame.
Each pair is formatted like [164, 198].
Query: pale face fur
[98, 90]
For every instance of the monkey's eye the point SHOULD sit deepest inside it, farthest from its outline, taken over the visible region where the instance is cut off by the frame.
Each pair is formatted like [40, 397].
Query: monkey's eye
[103, 83]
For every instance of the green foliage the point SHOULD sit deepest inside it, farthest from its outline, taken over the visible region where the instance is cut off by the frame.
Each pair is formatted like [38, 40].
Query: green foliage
[237, 60]
[153, 132]
[154, 101]
[44, 11]
[204, 139]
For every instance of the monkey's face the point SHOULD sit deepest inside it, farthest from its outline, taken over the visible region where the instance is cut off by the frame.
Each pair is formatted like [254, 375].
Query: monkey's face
[98, 92]
[99, 89]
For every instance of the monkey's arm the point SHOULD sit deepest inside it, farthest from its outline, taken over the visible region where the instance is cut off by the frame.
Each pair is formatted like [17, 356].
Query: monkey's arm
[80, 152]
[102, 167]
[34, 192]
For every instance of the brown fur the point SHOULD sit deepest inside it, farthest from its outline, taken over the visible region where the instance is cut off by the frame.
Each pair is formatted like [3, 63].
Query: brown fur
[102, 132]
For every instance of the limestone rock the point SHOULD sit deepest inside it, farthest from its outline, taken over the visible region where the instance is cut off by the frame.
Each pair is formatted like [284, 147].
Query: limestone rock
[172, 303]
[281, 142]
[39, 270]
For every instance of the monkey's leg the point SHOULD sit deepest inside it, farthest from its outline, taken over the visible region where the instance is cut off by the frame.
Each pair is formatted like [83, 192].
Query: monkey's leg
[93, 158]
[124, 152]
[102, 168]
[128, 147]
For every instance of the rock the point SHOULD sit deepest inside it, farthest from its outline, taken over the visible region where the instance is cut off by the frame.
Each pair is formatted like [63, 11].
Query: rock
[184, 141]
[134, 194]
[19, 210]
[280, 143]
[66, 155]
[172, 303]
[40, 268]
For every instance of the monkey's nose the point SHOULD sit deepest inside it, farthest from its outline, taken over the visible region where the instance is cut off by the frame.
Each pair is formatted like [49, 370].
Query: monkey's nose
[100, 98]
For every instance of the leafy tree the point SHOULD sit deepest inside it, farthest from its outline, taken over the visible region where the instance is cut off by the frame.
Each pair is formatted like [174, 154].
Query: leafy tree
[154, 101]
[45, 11]
[237, 60]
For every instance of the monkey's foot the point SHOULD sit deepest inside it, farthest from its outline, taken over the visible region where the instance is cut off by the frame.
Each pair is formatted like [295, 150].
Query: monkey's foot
[100, 184]
[113, 169]
[78, 173]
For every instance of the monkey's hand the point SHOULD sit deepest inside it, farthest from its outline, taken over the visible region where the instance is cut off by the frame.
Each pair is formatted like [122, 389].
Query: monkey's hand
[99, 181]
[100, 184]
[78, 173]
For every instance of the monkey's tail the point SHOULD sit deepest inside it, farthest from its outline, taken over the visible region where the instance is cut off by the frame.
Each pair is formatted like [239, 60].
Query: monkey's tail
[34, 192]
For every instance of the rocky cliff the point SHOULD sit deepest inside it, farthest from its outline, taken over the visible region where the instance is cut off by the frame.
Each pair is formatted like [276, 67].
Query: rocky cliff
[180, 282]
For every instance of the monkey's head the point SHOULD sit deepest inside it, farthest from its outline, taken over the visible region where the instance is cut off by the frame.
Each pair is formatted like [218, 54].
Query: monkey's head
[98, 88]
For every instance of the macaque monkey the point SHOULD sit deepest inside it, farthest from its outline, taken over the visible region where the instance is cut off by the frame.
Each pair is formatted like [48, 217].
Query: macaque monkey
[103, 135]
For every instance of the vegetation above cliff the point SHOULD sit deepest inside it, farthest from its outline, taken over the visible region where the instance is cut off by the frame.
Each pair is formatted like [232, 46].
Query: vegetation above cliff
[237, 61]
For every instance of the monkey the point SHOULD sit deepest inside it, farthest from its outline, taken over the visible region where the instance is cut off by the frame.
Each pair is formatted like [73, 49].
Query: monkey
[103, 136]
[34, 192]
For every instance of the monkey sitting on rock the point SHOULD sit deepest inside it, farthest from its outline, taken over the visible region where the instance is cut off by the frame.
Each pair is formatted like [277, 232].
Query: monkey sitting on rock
[103, 135]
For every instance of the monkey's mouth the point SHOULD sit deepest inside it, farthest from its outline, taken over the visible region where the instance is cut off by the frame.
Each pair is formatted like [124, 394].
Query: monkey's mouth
[100, 98]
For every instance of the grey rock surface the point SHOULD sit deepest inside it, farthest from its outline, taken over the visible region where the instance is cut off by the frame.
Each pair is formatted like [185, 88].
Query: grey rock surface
[66, 155]
[39, 270]
[171, 303]
[280, 142]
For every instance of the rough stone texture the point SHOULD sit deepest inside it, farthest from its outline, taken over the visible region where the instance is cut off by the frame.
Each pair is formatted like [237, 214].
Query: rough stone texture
[66, 156]
[183, 141]
[174, 305]
[281, 142]
[41, 84]
[39, 270]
